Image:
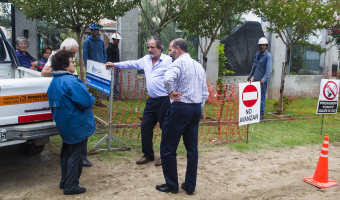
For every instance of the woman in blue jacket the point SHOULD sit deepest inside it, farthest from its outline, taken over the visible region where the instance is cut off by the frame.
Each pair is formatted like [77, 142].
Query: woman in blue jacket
[70, 103]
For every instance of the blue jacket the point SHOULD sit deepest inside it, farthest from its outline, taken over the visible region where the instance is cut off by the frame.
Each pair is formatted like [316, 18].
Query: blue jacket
[71, 103]
[25, 60]
[94, 49]
[262, 67]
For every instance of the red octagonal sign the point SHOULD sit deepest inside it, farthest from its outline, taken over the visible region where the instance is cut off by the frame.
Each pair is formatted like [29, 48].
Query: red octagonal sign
[250, 96]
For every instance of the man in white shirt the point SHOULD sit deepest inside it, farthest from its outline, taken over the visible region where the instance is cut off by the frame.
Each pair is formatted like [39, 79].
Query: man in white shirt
[154, 65]
[68, 44]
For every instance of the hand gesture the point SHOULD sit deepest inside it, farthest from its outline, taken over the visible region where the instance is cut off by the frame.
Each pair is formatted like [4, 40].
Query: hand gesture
[175, 95]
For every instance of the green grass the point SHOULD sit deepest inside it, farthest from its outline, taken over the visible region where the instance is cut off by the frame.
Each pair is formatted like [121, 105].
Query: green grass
[285, 134]
[268, 136]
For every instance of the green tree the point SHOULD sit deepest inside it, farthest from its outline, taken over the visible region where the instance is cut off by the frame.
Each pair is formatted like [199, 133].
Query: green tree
[5, 16]
[146, 31]
[292, 20]
[50, 33]
[334, 31]
[205, 18]
[160, 13]
[76, 15]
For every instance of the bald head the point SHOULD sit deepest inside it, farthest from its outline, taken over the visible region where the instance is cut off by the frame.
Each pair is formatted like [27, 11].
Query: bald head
[177, 47]
[181, 43]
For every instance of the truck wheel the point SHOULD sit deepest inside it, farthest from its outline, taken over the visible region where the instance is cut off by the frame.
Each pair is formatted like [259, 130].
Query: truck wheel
[31, 149]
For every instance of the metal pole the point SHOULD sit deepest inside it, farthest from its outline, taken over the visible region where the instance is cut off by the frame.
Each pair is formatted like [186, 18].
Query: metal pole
[322, 123]
[13, 26]
[110, 111]
[247, 132]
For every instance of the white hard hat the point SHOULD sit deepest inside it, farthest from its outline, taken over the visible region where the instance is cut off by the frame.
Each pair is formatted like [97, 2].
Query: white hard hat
[117, 36]
[263, 40]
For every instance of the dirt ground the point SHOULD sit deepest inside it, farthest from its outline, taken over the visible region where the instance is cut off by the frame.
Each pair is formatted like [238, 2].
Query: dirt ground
[222, 174]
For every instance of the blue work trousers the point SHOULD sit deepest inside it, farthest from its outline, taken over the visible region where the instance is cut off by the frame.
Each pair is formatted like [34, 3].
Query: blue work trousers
[181, 119]
[154, 112]
[71, 161]
[263, 97]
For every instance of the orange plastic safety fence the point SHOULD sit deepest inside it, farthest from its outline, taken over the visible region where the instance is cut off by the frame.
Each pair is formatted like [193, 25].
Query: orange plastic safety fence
[218, 123]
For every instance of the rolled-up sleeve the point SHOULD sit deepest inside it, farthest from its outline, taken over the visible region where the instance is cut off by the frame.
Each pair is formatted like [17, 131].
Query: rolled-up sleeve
[131, 64]
[205, 92]
[170, 76]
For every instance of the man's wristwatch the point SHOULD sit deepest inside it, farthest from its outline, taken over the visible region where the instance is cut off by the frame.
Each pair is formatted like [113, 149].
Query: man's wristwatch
[170, 93]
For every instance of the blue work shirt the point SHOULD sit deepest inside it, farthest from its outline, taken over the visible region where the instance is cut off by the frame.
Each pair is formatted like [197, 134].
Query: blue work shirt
[154, 74]
[94, 49]
[262, 67]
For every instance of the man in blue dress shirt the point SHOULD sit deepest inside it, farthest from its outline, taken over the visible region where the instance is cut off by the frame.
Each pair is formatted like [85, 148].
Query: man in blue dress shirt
[261, 70]
[154, 65]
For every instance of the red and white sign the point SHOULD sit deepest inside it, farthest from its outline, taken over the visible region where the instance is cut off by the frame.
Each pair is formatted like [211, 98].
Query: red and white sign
[328, 97]
[250, 96]
[330, 90]
[249, 103]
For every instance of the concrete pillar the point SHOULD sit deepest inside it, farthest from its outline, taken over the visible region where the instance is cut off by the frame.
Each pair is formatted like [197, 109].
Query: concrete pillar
[323, 56]
[212, 64]
[21, 24]
[278, 51]
[331, 58]
[128, 27]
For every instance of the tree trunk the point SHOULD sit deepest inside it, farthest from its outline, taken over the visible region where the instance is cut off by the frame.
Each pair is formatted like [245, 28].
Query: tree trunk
[80, 50]
[282, 88]
[204, 62]
[158, 34]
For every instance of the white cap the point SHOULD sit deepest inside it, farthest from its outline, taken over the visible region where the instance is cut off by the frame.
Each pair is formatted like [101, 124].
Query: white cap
[263, 40]
[117, 36]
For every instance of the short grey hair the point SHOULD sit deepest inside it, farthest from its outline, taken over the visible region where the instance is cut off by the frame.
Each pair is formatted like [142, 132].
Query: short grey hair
[17, 41]
[159, 43]
[68, 43]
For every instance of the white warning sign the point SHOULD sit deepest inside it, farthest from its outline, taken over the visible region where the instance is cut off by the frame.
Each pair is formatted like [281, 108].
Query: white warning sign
[249, 103]
[328, 97]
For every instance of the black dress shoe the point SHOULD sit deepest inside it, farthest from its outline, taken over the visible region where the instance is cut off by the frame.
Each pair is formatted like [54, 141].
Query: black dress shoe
[188, 192]
[87, 163]
[165, 188]
[79, 191]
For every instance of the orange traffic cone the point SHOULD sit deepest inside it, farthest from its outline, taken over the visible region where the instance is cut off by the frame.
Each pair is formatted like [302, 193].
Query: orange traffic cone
[320, 178]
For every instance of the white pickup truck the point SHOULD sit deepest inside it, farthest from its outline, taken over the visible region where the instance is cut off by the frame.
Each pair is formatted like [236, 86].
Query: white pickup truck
[25, 117]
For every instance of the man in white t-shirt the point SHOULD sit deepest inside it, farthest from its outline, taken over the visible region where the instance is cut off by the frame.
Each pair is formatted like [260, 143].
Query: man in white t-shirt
[68, 44]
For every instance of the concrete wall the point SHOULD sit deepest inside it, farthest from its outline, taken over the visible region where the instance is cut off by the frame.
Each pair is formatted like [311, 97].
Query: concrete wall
[128, 50]
[212, 64]
[305, 86]
[21, 24]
